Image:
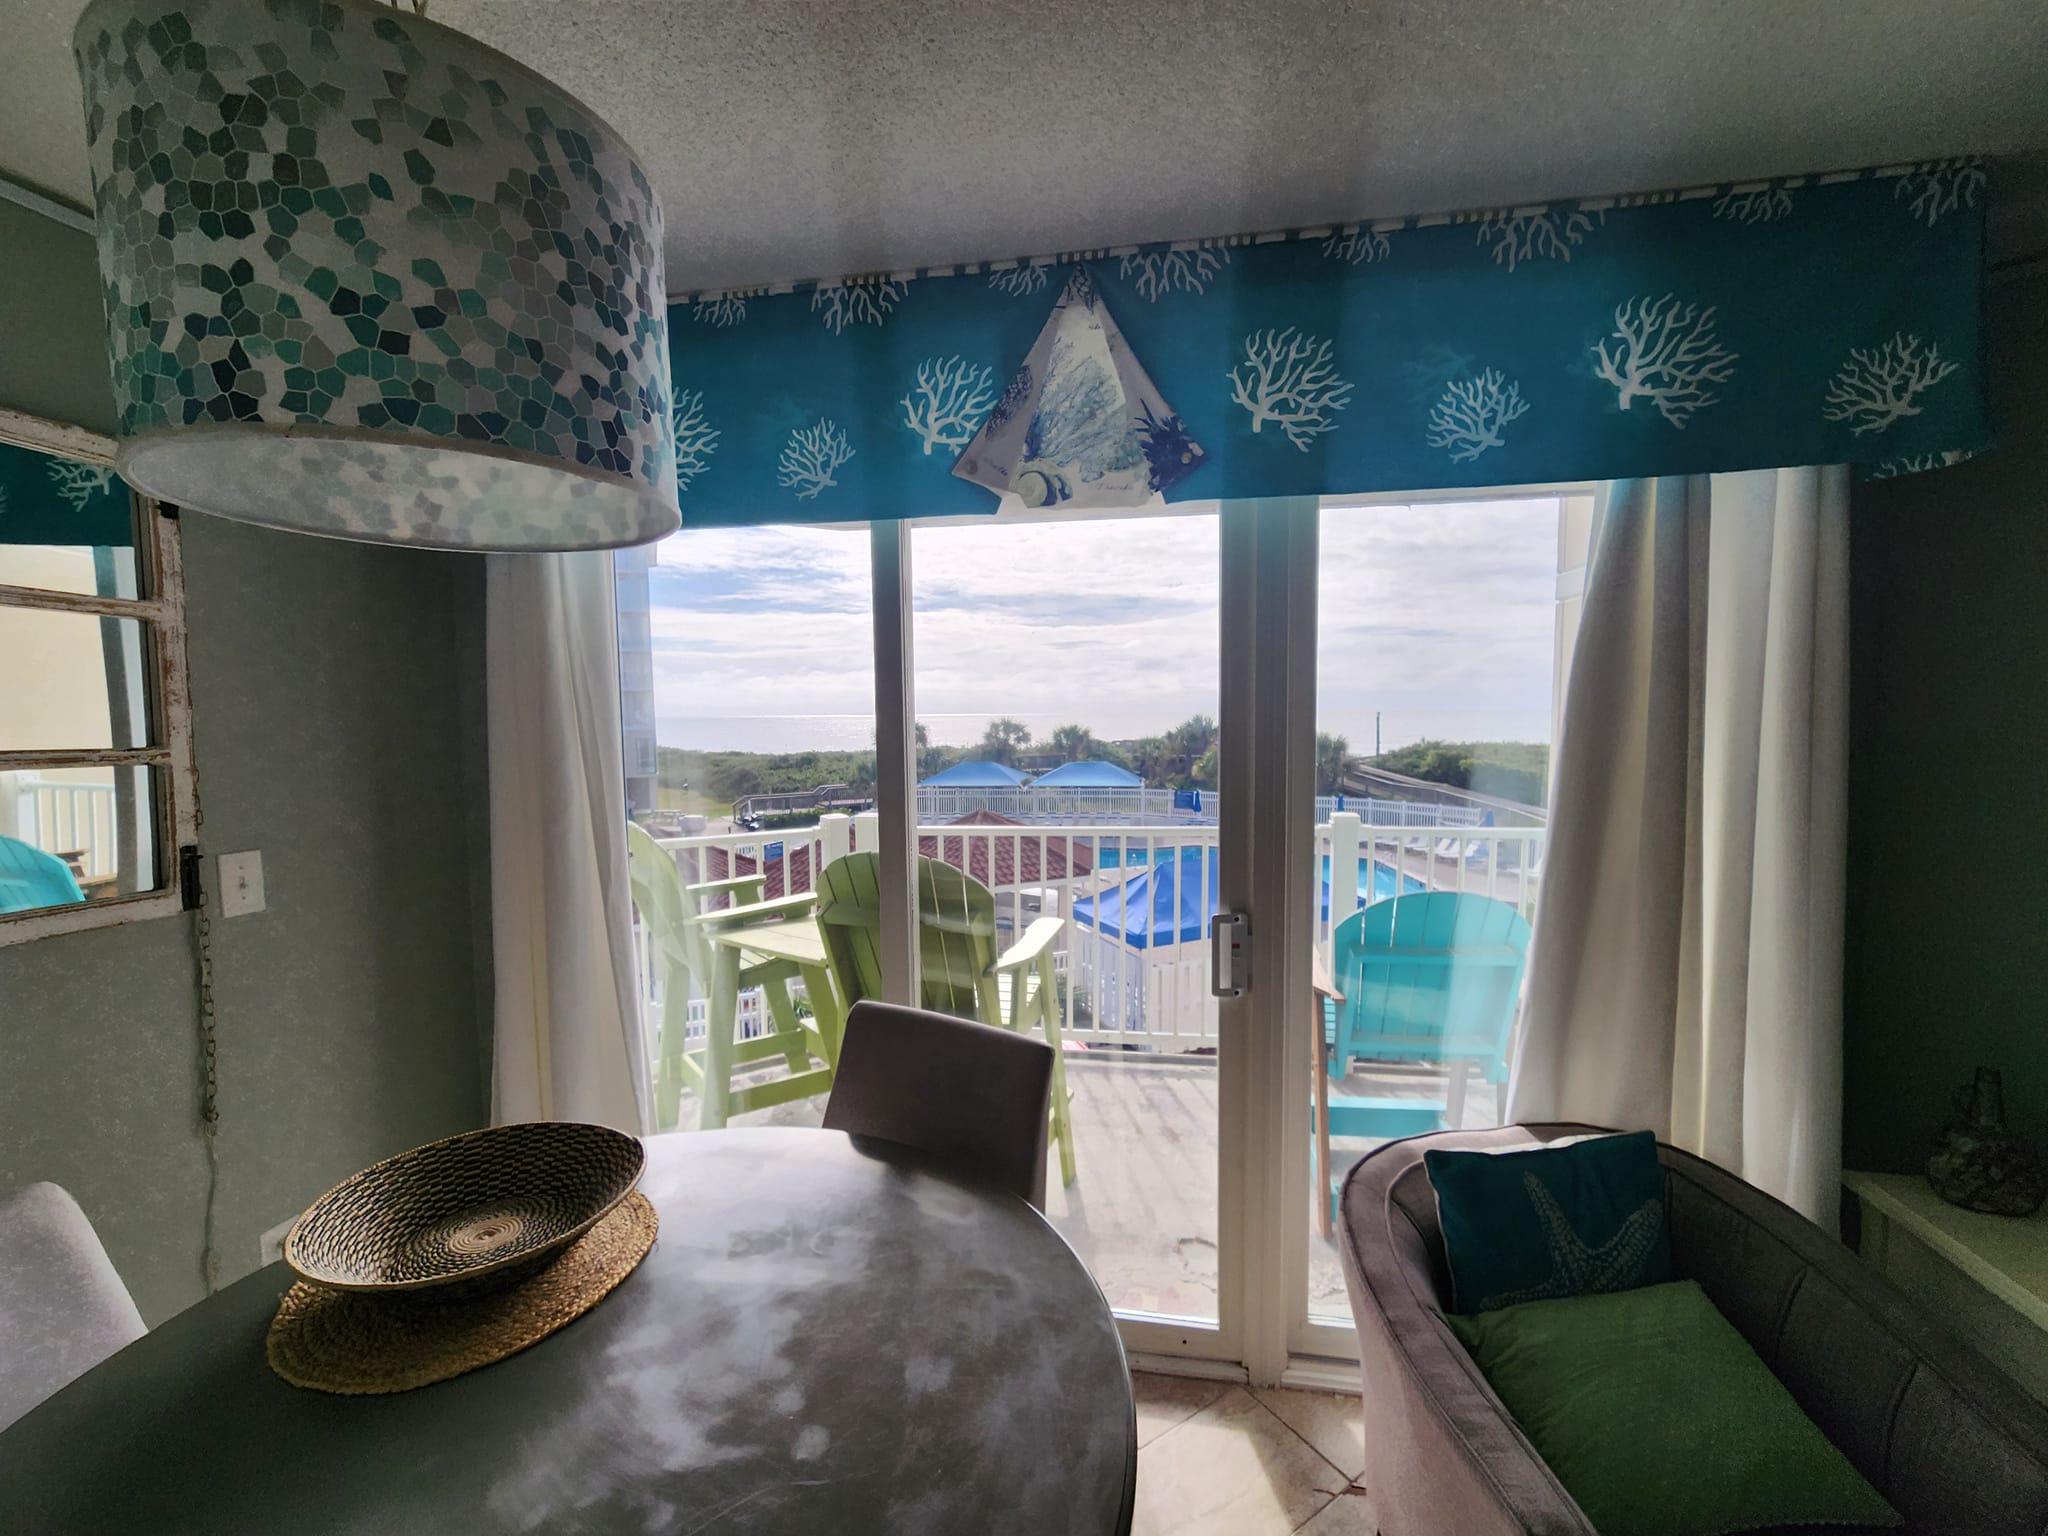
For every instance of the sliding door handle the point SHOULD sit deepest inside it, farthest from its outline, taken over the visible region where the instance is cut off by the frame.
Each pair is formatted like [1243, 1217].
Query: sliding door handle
[1230, 954]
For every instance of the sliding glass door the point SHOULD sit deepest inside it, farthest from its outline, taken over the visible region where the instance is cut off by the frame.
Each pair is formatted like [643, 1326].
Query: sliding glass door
[1092, 736]
[1068, 765]
[1443, 628]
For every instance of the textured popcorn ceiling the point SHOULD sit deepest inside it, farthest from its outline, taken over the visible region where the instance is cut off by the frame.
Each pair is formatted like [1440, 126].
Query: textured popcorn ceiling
[798, 139]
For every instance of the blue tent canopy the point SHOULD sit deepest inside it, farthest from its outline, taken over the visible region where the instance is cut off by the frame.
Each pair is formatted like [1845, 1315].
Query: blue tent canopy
[1163, 905]
[976, 773]
[1089, 774]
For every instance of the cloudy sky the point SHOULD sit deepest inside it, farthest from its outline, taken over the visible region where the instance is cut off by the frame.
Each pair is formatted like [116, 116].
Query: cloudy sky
[1437, 616]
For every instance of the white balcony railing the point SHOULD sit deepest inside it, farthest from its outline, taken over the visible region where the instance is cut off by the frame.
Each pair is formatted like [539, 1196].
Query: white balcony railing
[1138, 978]
[66, 819]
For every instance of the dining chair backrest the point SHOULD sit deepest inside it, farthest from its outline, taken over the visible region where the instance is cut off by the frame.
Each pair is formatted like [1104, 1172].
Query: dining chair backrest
[1430, 976]
[974, 1097]
[956, 921]
[62, 1308]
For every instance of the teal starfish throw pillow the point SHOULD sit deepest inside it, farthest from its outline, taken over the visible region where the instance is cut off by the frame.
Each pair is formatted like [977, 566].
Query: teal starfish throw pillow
[1550, 1222]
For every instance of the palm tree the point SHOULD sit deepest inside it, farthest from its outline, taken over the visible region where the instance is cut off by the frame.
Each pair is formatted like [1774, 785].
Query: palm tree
[1152, 759]
[1333, 761]
[1192, 738]
[1073, 742]
[1003, 738]
[931, 759]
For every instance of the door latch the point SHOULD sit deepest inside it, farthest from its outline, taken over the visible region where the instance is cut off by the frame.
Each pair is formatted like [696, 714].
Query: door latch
[1230, 954]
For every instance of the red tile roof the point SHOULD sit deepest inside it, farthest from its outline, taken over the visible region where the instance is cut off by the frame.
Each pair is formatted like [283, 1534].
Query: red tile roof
[1061, 856]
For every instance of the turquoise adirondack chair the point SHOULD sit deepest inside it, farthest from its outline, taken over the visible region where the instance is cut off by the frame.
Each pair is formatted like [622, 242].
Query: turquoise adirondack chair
[962, 974]
[32, 878]
[1433, 977]
[676, 915]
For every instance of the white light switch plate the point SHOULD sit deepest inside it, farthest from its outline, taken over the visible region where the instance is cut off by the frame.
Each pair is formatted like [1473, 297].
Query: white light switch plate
[241, 883]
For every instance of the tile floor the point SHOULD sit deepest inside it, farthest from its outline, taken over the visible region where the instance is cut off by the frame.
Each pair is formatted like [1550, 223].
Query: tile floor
[1221, 1460]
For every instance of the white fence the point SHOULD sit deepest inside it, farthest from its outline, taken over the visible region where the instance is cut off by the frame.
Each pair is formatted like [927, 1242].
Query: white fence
[65, 818]
[1141, 808]
[1139, 978]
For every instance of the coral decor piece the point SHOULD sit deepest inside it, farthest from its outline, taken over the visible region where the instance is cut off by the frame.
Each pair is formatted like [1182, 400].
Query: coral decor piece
[1981, 1165]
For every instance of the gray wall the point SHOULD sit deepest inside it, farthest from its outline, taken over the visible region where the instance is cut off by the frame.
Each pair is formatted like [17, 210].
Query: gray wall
[338, 717]
[1947, 964]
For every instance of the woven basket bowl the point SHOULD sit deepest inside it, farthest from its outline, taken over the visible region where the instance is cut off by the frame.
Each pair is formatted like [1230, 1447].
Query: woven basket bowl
[473, 1211]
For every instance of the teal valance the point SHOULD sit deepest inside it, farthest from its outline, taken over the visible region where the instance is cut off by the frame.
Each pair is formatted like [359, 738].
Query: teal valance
[1809, 320]
[49, 500]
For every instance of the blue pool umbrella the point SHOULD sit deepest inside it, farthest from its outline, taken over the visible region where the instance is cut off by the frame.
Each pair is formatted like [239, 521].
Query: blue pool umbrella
[1088, 774]
[975, 773]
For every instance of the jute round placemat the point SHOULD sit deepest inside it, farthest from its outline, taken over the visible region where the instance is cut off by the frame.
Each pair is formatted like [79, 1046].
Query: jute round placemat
[353, 1343]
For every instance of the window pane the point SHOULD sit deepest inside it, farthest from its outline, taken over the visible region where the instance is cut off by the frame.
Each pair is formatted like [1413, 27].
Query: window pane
[69, 835]
[1440, 626]
[91, 570]
[72, 681]
[1068, 688]
[65, 526]
[746, 682]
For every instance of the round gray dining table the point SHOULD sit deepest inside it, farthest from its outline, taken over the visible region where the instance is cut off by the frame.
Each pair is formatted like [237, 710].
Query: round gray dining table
[831, 1335]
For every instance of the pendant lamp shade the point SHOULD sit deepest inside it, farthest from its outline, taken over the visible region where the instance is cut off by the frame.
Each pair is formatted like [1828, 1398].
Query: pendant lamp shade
[365, 277]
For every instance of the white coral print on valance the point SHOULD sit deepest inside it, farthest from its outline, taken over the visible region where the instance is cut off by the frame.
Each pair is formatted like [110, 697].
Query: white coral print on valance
[1805, 320]
[48, 500]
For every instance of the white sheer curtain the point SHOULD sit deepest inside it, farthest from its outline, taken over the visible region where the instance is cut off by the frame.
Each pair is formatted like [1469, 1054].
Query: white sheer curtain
[568, 1042]
[1687, 967]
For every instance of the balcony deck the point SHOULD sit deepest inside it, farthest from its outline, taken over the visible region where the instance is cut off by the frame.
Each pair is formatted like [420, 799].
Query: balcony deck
[1142, 1211]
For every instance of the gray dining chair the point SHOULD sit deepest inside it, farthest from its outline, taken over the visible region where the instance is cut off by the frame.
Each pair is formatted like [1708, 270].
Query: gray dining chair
[62, 1308]
[974, 1097]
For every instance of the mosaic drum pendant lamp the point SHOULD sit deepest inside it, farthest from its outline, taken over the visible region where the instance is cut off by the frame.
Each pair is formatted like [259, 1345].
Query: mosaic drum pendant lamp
[365, 277]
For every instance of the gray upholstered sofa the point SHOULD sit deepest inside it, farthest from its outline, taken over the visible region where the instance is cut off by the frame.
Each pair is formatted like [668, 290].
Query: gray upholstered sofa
[1955, 1447]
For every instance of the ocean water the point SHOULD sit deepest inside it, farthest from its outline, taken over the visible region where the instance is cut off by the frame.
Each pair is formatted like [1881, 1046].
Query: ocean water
[856, 733]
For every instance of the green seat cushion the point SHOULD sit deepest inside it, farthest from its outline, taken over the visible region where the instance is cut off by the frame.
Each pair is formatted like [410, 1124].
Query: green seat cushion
[1658, 1417]
[1552, 1221]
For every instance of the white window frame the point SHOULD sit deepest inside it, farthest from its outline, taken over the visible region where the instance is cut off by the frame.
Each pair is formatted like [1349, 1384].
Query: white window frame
[175, 783]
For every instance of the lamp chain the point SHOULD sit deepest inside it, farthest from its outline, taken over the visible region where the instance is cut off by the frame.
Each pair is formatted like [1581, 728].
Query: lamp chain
[209, 1044]
[209, 1089]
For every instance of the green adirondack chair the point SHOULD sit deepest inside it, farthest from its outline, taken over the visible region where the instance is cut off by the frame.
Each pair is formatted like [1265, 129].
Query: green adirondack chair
[962, 974]
[677, 916]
